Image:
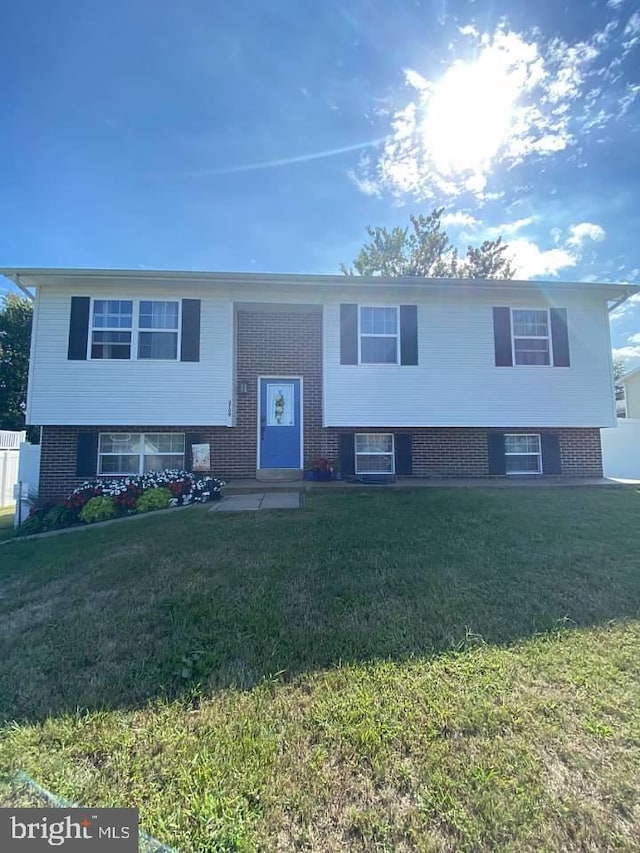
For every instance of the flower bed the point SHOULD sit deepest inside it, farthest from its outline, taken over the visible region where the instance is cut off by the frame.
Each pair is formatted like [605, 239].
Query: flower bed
[96, 500]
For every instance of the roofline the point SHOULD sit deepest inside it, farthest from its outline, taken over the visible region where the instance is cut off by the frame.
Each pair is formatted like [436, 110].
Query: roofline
[628, 375]
[31, 276]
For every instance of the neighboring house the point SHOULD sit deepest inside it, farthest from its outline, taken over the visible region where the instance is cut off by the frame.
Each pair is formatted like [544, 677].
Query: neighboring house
[631, 383]
[435, 378]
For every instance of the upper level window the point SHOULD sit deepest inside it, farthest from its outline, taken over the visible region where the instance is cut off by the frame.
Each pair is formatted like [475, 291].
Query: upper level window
[378, 335]
[110, 318]
[162, 318]
[531, 339]
[115, 335]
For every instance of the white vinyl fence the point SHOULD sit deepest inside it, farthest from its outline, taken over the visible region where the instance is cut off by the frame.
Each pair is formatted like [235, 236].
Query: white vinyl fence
[621, 450]
[28, 479]
[9, 453]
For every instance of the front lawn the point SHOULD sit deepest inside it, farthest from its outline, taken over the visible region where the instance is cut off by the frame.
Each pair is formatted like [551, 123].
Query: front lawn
[432, 670]
[6, 522]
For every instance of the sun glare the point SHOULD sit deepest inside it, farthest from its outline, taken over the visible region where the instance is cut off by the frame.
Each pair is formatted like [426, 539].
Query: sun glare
[469, 114]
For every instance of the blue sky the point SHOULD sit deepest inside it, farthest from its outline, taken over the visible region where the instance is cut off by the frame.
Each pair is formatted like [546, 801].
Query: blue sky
[266, 136]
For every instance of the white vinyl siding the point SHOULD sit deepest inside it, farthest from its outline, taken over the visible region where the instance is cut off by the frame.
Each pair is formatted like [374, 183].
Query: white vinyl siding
[523, 453]
[125, 392]
[138, 453]
[374, 453]
[456, 382]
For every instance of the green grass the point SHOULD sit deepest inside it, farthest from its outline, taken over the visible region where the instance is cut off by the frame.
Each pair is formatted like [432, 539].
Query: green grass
[426, 670]
[6, 522]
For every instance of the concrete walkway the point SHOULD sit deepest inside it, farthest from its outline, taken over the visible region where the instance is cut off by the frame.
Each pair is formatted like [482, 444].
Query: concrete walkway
[258, 501]
[249, 487]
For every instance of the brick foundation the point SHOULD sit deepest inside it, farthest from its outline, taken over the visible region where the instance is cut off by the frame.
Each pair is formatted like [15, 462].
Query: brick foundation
[437, 452]
[463, 451]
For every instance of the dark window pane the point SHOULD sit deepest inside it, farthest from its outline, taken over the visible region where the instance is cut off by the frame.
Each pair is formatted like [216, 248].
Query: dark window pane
[525, 464]
[374, 464]
[378, 350]
[158, 345]
[120, 464]
[159, 461]
[111, 345]
[531, 351]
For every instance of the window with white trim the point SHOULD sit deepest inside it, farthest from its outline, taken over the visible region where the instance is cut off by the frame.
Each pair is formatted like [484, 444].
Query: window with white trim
[125, 329]
[121, 453]
[158, 330]
[374, 453]
[531, 336]
[378, 335]
[111, 328]
[523, 453]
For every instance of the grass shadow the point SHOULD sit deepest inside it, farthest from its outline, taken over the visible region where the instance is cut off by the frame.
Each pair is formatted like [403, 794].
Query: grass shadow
[112, 618]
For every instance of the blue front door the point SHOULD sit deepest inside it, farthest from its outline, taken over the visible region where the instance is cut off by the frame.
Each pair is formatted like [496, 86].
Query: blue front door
[280, 435]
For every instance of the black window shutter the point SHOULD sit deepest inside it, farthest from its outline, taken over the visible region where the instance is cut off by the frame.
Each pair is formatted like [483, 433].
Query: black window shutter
[502, 336]
[497, 462]
[347, 453]
[87, 454]
[78, 328]
[189, 439]
[551, 461]
[560, 337]
[408, 334]
[403, 453]
[348, 334]
[190, 344]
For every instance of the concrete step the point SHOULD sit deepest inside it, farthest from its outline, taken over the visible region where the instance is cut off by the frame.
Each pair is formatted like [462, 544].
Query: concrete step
[279, 475]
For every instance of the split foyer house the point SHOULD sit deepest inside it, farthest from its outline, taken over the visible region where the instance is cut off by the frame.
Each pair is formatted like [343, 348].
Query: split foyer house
[432, 378]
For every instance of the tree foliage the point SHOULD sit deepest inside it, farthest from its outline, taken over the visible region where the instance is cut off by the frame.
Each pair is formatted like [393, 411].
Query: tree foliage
[619, 370]
[15, 341]
[424, 249]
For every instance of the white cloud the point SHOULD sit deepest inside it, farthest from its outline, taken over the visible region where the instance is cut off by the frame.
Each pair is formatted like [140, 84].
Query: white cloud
[615, 4]
[459, 219]
[584, 231]
[508, 228]
[626, 100]
[531, 261]
[521, 97]
[634, 339]
[627, 353]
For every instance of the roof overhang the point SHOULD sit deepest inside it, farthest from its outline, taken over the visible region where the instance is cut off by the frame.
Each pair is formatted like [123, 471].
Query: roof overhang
[630, 375]
[39, 277]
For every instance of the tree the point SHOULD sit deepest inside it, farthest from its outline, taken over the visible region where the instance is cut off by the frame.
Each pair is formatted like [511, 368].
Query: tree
[424, 249]
[15, 341]
[619, 370]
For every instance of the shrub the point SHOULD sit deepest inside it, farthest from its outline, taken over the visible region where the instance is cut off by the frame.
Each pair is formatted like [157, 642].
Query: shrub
[59, 516]
[153, 499]
[98, 509]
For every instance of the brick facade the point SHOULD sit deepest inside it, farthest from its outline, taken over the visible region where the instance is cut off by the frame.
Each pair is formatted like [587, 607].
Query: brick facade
[290, 343]
[463, 451]
[437, 452]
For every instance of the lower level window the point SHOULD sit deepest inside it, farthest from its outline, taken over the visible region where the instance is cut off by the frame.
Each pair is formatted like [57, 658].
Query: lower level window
[121, 453]
[523, 453]
[374, 453]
